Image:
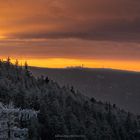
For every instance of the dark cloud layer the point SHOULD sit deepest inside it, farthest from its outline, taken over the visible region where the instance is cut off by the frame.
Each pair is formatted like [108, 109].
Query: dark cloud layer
[86, 19]
[71, 49]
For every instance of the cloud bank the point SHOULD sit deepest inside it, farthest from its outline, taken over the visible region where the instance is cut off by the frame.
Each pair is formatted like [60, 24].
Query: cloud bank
[112, 20]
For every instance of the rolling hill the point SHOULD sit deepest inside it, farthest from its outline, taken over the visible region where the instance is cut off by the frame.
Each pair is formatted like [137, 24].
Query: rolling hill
[118, 87]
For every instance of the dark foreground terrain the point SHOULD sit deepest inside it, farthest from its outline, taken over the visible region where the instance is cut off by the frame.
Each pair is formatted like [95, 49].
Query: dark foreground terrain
[63, 111]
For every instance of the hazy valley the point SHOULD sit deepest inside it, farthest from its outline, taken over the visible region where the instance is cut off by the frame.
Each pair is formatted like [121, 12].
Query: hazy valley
[116, 86]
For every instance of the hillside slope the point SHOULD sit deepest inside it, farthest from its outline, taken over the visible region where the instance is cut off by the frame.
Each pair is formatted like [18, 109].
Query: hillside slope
[118, 87]
[63, 111]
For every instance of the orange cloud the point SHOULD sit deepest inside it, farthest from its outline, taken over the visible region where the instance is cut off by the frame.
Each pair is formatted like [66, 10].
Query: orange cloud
[96, 20]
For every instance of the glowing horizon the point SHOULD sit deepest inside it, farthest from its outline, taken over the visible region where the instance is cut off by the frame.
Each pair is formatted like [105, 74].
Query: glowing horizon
[64, 63]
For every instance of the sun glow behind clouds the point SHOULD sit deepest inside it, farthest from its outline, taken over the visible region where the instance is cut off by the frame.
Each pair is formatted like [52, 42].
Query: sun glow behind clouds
[2, 37]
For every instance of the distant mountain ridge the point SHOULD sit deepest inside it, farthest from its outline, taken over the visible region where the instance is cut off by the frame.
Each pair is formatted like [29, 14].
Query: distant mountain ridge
[117, 86]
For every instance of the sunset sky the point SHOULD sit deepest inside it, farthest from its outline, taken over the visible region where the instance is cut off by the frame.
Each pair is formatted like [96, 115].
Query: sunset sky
[60, 33]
